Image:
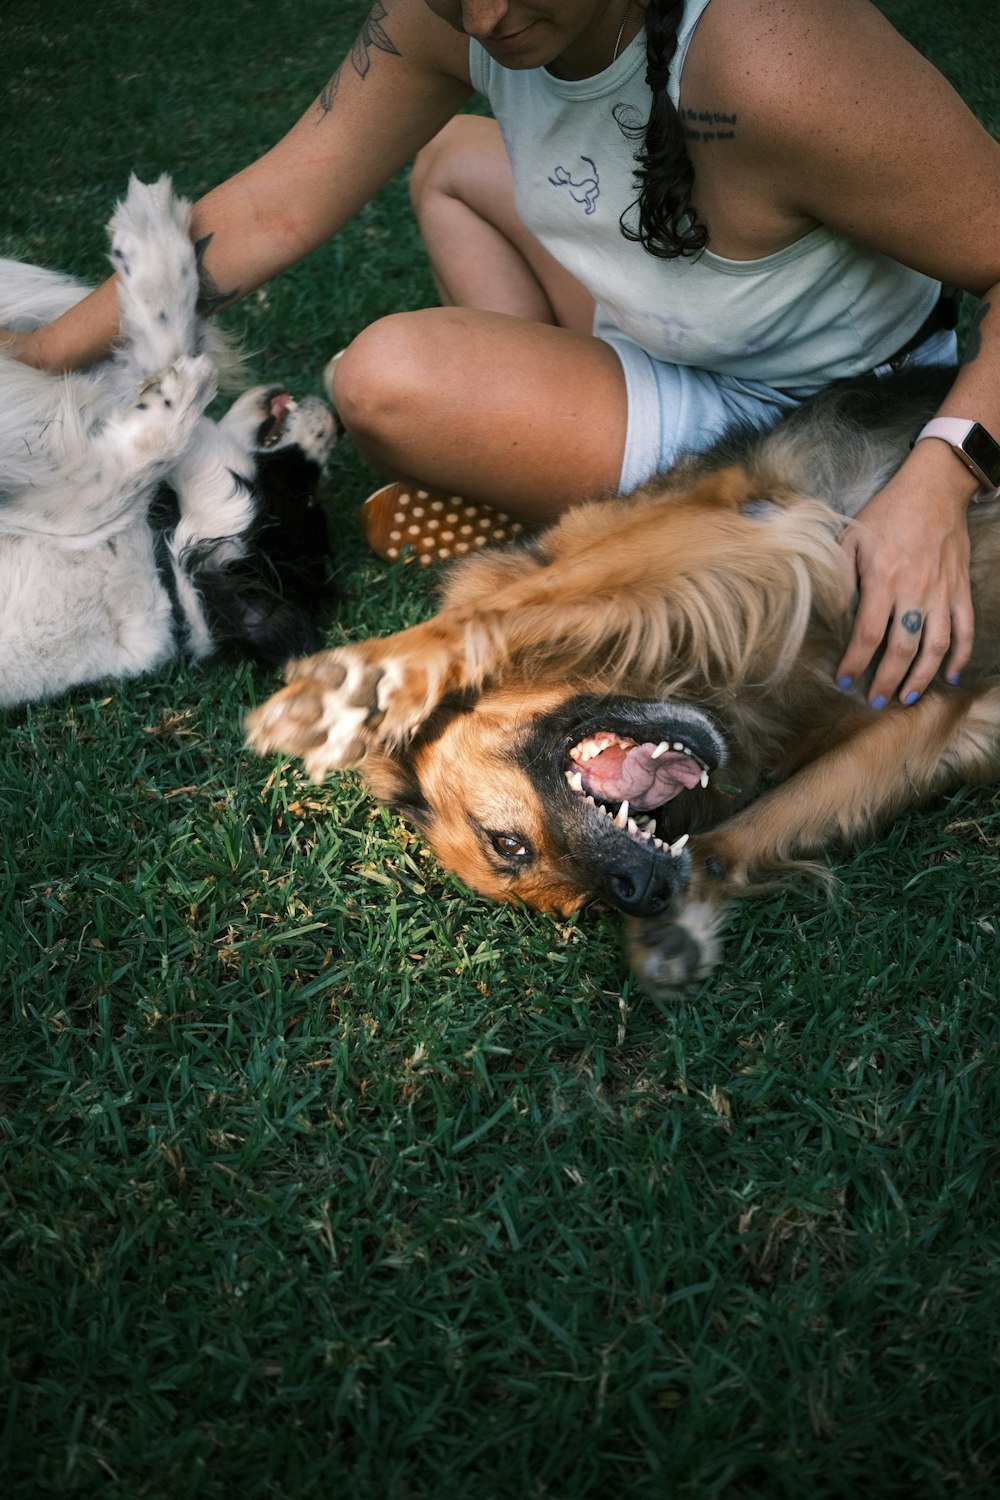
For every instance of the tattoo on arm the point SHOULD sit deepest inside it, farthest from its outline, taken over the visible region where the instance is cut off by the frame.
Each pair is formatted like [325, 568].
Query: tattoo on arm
[974, 346]
[372, 37]
[325, 102]
[210, 299]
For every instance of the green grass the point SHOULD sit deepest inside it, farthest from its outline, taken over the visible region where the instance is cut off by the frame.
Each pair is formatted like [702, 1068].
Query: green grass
[321, 1176]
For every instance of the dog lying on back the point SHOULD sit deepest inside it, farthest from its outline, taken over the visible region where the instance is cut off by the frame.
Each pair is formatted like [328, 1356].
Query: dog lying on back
[133, 528]
[639, 706]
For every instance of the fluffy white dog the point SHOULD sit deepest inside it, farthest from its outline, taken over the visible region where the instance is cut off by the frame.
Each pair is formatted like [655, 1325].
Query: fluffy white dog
[133, 528]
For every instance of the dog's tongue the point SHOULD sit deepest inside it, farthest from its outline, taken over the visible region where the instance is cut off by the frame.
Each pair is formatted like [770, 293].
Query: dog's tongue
[618, 774]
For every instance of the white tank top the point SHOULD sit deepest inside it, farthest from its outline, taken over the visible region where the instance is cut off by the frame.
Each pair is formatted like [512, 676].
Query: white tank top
[823, 308]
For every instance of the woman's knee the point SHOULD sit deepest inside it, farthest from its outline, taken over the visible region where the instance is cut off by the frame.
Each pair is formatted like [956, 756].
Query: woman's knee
[457, 151]
[380, 376]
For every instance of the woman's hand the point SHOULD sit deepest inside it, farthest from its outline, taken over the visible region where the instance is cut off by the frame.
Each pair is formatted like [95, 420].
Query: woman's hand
[910, 551]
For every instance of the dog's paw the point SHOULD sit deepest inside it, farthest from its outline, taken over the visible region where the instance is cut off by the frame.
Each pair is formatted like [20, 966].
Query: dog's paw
[677, 949]
[329, 714]
[169, 404]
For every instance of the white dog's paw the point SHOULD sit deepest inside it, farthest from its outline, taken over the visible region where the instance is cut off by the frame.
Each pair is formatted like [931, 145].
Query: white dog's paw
[331, 712]
[168, 407]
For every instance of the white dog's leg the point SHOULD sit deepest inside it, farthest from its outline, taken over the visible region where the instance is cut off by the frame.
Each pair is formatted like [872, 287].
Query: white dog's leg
[152, 252]
[104, 474]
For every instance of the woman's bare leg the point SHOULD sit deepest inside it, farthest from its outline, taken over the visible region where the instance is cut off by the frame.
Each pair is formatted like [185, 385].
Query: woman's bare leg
[516, 414]
[481, 255]
[502, 395]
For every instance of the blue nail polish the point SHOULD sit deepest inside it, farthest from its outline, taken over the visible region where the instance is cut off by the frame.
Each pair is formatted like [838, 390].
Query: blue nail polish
[911, 698]
[954, 678]
[844, 683]
[879, 702]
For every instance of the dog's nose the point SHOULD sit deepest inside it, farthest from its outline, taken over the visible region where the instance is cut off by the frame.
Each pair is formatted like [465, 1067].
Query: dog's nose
[644, 892]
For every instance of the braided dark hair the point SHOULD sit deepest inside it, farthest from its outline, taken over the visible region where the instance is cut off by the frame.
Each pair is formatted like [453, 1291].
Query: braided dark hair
[668, 225]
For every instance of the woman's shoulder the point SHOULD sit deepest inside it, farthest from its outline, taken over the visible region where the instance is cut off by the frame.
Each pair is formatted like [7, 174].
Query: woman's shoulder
[780, 57]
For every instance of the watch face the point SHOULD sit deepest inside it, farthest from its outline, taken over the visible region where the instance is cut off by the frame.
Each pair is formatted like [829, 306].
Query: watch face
[985, 454]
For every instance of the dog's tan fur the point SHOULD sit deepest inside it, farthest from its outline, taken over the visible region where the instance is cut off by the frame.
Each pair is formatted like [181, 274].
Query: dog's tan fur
[720, 586]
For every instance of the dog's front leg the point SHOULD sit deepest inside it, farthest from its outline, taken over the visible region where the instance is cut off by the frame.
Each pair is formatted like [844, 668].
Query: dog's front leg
[157, 278]
[340, 704]
[894, 759]
[105, 475]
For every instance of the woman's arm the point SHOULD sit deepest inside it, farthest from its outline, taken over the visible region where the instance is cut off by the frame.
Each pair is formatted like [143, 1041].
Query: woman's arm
[405, 76]
[844, 124]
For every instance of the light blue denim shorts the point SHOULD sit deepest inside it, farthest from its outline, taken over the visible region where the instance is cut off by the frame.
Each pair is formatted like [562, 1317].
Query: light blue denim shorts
[675, 409]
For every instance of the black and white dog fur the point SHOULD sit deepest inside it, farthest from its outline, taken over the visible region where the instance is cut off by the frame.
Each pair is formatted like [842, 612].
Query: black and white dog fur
[132, 527]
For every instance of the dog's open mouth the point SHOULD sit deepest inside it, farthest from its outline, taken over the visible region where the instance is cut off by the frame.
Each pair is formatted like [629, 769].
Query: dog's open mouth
[279, 406]
[626, 779]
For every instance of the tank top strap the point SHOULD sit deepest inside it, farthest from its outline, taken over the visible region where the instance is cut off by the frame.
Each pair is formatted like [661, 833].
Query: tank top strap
[693, 10]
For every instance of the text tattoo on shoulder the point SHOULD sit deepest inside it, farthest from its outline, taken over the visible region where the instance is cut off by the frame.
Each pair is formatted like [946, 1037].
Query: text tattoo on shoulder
[372, 37]
[708, 125]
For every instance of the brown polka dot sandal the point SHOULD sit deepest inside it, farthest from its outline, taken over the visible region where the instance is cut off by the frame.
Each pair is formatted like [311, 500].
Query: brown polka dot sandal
[401, 522]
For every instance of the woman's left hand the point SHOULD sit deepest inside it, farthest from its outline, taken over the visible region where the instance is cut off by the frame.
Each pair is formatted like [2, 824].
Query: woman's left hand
[910, 551]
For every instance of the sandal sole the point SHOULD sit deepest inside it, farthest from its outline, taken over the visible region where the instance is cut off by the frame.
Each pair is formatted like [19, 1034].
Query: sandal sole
[401, 522]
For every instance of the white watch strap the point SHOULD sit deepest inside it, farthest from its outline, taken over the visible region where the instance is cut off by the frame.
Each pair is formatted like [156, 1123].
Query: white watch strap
[954, 431]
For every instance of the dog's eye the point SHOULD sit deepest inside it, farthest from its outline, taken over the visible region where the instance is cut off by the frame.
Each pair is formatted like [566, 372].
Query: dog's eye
[510, 845]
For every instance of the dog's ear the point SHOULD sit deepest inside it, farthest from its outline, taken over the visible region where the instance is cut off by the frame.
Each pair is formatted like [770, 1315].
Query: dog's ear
[394, 782]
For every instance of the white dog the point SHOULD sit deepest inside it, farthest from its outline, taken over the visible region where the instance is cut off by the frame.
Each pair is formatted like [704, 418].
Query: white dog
[133, 528]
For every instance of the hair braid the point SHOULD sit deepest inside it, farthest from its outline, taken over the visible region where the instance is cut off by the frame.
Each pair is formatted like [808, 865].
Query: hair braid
[668, 225]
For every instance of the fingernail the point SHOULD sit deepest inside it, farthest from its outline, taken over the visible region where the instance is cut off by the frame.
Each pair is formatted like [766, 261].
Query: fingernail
[844, 683]
[954, 678]
[879, 702]
[911, 698]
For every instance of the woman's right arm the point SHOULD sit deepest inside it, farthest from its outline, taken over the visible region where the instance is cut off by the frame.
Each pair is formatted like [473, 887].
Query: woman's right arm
[405, 76]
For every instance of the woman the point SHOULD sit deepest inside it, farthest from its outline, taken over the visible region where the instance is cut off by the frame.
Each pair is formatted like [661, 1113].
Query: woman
[807, 181]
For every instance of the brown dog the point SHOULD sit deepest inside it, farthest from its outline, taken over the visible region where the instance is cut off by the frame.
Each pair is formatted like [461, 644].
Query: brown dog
[639, 706]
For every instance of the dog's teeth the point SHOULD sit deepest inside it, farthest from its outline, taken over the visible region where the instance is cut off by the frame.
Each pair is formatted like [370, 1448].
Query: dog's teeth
[575, 780]
[678, 747]
[660, 749]
[675, 849]
[621, 818]
[704, 778]
[658, 843]
[632, 826]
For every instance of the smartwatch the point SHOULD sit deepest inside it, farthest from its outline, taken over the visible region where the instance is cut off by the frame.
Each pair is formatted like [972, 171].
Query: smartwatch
[970, 442]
